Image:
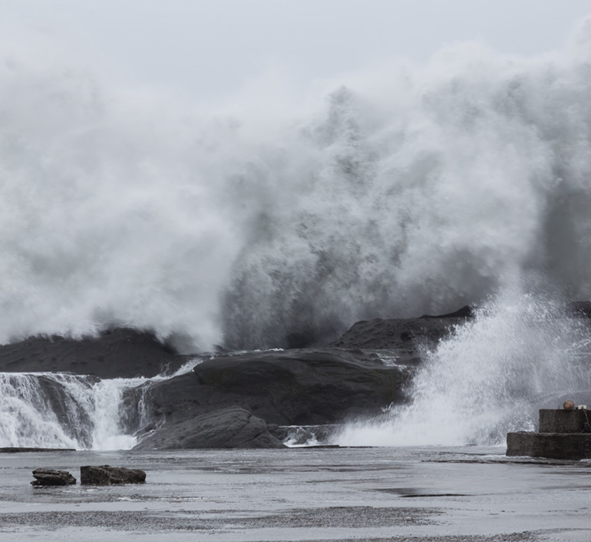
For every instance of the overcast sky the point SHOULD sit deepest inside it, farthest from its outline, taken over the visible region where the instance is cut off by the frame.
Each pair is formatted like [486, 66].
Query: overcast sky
[208, 48]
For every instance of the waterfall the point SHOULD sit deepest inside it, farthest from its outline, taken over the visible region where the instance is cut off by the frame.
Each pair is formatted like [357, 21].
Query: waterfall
[60, 410]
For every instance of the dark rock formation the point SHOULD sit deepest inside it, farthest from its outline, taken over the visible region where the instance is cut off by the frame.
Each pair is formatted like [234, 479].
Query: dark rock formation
[403, 334]
[121, 352]
[50, 477]
[105, 475]
[465, 312]
[232, 427]
[296, 387]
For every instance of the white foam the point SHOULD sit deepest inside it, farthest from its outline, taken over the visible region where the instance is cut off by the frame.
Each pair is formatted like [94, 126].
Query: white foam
[58, 410]
[487, 378]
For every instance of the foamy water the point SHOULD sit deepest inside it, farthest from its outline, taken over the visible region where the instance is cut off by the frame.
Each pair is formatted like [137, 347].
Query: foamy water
[487, 378]
[58, 410]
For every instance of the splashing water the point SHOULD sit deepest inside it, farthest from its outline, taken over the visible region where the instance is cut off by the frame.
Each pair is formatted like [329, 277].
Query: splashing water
[487, 378]
[56, 410]
[411, 191]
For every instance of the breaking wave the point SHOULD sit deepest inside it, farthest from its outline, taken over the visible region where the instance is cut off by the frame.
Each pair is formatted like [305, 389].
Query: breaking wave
[520, 353]
[414, 189]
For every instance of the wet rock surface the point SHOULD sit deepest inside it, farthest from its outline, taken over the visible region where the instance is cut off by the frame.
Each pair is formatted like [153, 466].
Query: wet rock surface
[296, 387]
[105, 475]
[126, 353]
[117, 353]
[403, 334]
[232, 427]
[51, 477]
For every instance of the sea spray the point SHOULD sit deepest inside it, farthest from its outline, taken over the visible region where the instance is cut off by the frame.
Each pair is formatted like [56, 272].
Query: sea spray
[59, 410]
[487, 378]
[412, 189]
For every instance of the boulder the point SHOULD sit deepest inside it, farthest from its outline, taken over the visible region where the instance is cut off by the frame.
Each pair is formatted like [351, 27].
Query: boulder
[106, 475]
[232, 427]
[295, 387]
[50, 477]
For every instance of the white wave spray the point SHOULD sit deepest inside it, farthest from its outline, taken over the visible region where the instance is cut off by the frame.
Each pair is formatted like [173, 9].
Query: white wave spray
[488, 378]
[414, 189]
[58, 410]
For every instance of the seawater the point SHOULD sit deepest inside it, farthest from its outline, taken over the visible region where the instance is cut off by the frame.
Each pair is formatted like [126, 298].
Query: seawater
[58, 410]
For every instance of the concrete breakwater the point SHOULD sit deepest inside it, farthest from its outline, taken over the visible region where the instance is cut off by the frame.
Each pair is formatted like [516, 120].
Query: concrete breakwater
[562, 435]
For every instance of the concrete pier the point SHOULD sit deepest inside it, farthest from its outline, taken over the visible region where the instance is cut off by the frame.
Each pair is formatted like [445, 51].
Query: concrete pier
[563, 421]
[561, 436]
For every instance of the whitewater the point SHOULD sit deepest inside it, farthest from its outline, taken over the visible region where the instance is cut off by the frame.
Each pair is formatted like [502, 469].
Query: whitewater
[411, 189]
[401, 190]
[61, 410]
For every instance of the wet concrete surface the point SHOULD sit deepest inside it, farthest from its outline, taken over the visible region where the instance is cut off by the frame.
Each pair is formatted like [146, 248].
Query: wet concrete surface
[427, 494]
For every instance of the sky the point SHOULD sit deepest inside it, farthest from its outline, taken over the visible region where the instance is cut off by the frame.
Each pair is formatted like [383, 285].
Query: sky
[212, 48]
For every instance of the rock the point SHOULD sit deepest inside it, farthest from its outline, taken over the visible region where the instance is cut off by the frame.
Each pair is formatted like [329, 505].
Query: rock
[278, 431]
[232, 427]
[50, 477]
[105, 475]
[117, 353]
[296, 387]
[465, 312]
[402, 334]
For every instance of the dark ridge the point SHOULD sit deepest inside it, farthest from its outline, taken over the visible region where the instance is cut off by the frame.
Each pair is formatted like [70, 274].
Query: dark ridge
[116, 353]
[465, 312]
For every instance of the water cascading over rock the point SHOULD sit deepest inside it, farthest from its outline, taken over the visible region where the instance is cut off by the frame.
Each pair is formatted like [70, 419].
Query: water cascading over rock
[56, 410]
